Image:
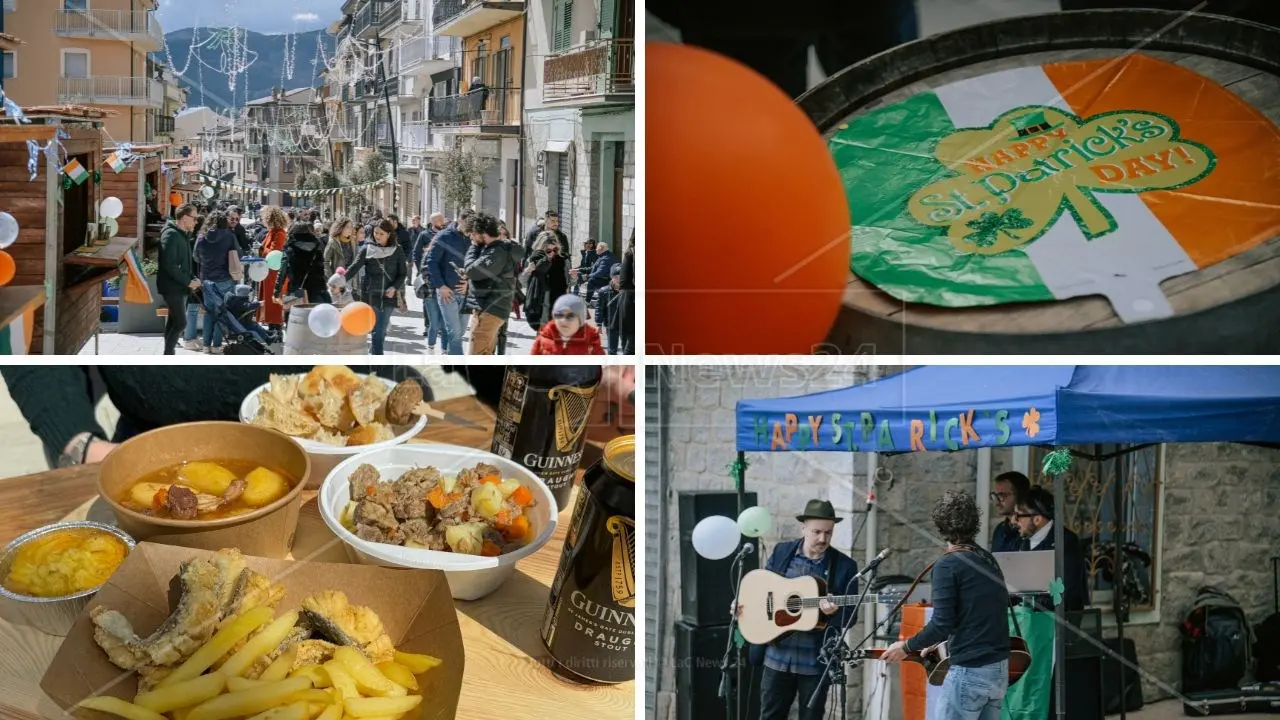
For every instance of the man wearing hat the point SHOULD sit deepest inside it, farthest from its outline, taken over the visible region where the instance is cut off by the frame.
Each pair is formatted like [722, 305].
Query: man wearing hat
[791, 667]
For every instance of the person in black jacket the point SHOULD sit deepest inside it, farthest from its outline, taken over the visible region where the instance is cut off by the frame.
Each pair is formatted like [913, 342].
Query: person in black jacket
[970, 606]
[627, 299]
[1035, 524]
[242, 237]
[382, 269]
[404, 240]
[1008, 490]
[546, 279]
[302, 270]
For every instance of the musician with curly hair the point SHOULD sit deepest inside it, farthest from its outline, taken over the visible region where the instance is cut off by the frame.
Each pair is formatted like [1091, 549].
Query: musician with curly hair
[970, 606]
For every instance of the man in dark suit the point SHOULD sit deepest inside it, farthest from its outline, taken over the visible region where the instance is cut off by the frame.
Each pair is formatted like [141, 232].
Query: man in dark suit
[1035, 524]
[791, 667]
[1008, 490]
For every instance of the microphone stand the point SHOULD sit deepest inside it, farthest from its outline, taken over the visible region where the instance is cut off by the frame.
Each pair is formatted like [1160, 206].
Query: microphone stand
[735, 664]
[839, 654]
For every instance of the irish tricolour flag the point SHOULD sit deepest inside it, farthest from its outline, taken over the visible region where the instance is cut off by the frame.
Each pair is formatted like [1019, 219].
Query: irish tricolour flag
[15, 338]
[1100, 177]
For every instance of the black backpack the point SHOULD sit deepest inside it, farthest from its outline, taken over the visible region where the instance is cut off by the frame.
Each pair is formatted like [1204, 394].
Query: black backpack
[1217, 642]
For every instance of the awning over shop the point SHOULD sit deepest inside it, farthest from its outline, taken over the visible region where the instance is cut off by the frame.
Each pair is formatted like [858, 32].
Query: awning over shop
[959, 407]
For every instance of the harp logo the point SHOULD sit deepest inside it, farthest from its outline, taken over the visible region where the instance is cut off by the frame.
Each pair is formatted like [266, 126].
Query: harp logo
[1015, 177]
[623, 530]
[572, 405]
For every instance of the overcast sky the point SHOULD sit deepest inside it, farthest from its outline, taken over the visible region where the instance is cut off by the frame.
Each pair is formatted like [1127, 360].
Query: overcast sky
[264, 16]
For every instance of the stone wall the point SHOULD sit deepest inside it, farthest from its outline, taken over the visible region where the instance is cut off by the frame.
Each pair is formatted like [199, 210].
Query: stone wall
[1221, 517]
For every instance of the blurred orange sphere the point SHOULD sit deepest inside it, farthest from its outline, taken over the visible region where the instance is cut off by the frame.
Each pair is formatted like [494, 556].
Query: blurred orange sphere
[7, 268]
[747, 245]
[358, 318]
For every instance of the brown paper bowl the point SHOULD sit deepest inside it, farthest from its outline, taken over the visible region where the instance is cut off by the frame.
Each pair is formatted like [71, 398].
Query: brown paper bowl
[265, 532]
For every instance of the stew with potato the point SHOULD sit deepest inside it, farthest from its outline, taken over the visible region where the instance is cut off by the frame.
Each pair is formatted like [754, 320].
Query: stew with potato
[207, 490]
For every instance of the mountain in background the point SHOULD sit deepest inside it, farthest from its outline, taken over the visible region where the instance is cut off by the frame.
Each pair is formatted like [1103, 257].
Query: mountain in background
[266, 73]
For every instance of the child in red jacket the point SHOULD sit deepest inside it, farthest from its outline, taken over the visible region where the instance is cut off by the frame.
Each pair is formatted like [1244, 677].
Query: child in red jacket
[567, 333]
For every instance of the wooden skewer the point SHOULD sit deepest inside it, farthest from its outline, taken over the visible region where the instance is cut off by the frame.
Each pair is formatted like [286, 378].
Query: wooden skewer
[423, 408]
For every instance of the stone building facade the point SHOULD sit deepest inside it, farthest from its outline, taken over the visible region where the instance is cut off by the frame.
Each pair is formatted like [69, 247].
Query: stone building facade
[1221, 507]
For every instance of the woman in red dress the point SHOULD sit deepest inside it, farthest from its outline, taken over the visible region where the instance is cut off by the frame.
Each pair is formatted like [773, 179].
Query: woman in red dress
[272, 312]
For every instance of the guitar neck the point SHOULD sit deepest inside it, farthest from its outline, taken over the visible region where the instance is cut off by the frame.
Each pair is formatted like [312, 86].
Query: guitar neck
[838, 600]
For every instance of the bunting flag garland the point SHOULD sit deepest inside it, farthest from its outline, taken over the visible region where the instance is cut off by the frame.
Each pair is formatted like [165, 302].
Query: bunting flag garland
[135, 288]
[12, 109]
[116, 164]
[52, 150]
[76, 172]
[217, 183]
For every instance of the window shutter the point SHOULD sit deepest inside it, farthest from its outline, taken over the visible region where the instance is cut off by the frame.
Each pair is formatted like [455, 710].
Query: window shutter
[559, 34]
[608, 18]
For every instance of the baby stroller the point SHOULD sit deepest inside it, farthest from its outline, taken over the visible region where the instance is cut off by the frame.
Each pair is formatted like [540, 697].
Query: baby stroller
[235, 315]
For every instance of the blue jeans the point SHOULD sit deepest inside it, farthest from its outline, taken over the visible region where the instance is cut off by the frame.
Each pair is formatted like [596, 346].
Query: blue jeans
[212, 330]
[383, 313]
[973, 693]
[193, 321]
[450, 323]
[435, 321]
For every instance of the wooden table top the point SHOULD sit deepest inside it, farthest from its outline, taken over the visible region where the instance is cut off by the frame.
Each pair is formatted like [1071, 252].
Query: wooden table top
[18, 299]
[507, 668]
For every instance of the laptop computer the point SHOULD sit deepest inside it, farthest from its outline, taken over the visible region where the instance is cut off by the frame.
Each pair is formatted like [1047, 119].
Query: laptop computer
[1029, 571]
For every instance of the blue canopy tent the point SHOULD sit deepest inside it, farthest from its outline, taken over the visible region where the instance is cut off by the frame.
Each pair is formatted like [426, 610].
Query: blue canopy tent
[949, 408]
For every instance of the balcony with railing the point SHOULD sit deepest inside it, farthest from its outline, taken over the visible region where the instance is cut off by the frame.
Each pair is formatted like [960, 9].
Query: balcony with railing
[164, 125]
[415, 135]
[422, 56]
[389, 11]
[463, 18]
[105, 90]
[598, 72]
[492, 112]
[364, 24]
[140, 28]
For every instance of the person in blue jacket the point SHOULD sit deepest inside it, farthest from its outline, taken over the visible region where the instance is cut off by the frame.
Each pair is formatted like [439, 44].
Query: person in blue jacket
[791, 668]
[600, 271]
[447, 253]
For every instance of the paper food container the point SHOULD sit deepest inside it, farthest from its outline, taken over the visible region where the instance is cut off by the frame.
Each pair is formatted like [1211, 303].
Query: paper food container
[414, 606]
[265, 532]
[470, 576]
[325, 457]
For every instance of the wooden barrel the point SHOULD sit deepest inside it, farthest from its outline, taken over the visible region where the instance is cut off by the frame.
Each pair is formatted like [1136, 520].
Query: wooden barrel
[299, 340]
[1229, 307]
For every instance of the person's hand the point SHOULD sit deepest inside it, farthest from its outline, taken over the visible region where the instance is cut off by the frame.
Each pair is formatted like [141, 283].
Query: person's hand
[97, 451]
[613, 412]
[445, 293]
[194, 284]
[827, 607]
[461, 287]
[391, 292]
[735, 609]
[896, 652]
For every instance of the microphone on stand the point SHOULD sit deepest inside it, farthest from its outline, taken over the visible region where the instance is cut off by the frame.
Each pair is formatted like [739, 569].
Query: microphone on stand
[875, 562]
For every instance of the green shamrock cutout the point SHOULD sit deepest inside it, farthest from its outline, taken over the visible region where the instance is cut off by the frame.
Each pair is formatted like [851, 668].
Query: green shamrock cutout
[987, 228]
[1056, 589]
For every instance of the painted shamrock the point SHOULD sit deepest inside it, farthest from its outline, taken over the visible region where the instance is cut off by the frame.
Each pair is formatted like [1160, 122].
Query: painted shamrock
[1015, 177]
[1031, 422]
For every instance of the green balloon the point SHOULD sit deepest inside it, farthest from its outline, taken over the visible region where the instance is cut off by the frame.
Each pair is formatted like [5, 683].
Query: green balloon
[754, 521]
[275, 259]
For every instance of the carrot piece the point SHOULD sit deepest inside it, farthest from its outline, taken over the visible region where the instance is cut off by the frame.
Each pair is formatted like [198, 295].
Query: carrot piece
[522, 497]
[491, 479]
[488, 549]
[160, 500]
[437, 497]
[518, 529]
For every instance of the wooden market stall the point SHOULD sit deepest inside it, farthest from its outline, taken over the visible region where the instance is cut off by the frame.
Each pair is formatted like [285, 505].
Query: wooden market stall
[55, 254]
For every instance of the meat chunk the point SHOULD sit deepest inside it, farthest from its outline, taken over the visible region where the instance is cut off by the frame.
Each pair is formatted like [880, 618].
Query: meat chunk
[234, 491]
[467, 479]
[372, 513]
[419, 532]
[485, 470]
[365, 477]
[459, 509]
[182, 503]
[370, 533]
[493, 536]
[409, 501]
[426, 478]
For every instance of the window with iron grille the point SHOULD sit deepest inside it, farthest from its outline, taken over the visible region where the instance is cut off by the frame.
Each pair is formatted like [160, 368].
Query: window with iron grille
[8, 65]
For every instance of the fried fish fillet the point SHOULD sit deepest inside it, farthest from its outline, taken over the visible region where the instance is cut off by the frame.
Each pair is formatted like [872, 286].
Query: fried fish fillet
[342, 378]
[369, 434]
[367, 399]
[334, 618]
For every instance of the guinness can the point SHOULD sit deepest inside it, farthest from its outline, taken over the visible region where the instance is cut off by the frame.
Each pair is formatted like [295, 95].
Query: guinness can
[590, 625]
[542, 421]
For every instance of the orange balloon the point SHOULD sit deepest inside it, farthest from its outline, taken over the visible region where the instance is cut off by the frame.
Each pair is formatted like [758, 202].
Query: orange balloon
[358, 318]
[747, 244]
[8, 268]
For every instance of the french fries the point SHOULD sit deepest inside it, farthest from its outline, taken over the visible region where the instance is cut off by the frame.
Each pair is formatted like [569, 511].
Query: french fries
[264, 642]
[279, 668]
[319, 676]
[417, 663]
[341, 679]
[373, 707]
[366, 674]
[183, 694]
[239, 684]
[399, 675]
[312, 696]
[249, 702]
[116, 706]
[296, 711]
[222, 641]
[333, 712]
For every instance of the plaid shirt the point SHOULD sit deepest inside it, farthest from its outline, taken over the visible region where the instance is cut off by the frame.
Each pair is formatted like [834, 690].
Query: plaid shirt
[797, 652]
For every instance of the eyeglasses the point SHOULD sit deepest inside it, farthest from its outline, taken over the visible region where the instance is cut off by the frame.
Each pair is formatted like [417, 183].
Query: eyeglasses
[999, 496]
[565, 315]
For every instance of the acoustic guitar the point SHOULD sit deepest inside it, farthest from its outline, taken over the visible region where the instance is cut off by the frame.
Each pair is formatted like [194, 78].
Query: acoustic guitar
[936, 660]
[773, 605]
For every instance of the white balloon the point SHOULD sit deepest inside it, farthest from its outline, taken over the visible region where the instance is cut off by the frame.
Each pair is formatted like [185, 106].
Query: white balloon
[258, 271]
[113, 226]
[715, 537]
[324, 320]
[112, 207]
[8, 230]
[207, 192]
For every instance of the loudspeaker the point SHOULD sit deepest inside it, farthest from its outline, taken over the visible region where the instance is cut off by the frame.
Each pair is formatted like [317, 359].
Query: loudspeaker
[1084, 689]
[699, 652]
[706, 586]
[1111, 669]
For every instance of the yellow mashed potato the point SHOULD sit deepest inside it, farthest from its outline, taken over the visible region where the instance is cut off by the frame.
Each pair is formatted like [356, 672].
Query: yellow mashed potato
[65, 563]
